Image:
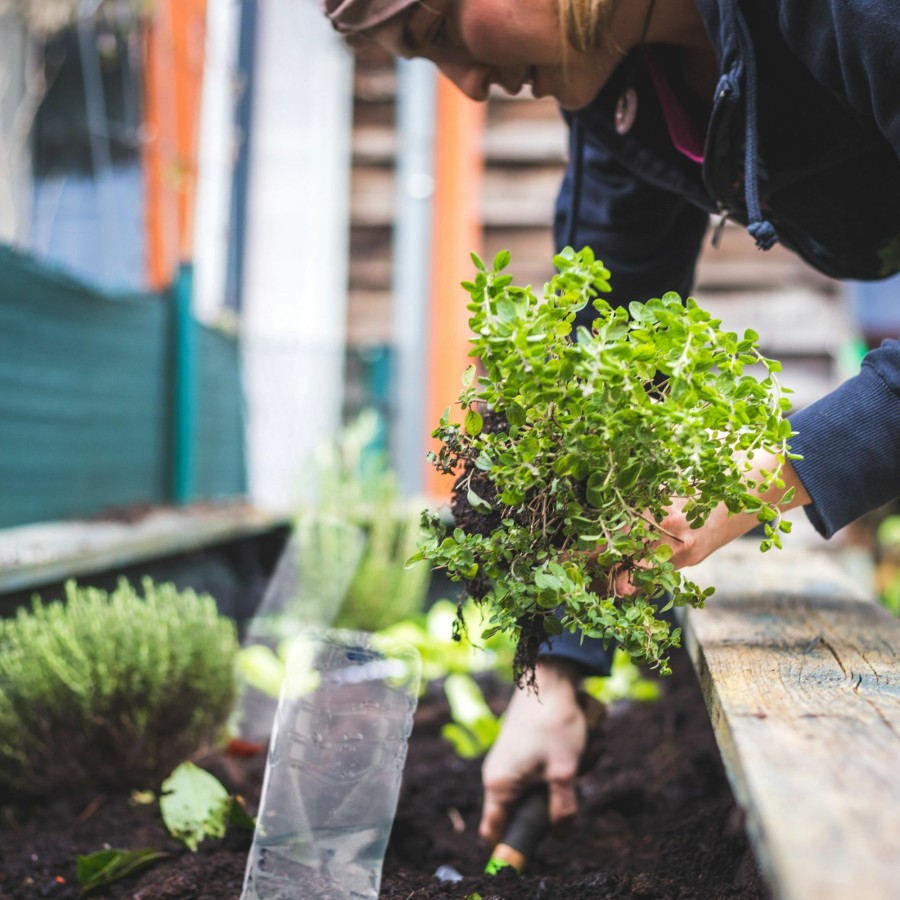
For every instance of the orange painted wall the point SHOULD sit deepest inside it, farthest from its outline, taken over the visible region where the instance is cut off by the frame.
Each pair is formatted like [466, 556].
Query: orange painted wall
[456, 234]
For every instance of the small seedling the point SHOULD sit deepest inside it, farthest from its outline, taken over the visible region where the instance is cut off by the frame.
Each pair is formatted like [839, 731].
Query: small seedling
[97, 870]
[474, 727]
[195, 805]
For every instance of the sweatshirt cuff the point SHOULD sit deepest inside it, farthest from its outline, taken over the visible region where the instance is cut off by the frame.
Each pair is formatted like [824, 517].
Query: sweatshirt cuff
[588, 653]
[850, 443]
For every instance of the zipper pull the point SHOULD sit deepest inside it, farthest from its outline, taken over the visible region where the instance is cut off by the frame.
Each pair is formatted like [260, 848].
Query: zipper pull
[720, 227]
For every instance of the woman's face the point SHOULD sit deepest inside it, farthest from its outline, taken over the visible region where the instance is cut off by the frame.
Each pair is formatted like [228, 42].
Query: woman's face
[477, 43]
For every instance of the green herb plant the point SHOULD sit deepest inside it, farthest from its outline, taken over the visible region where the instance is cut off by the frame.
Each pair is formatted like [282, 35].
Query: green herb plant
[111, 690]
[571, 451]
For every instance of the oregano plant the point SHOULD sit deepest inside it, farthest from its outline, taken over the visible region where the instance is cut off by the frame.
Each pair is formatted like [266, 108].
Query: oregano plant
[573, 445]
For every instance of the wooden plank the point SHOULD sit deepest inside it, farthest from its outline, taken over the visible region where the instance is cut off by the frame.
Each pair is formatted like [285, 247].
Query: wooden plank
[738, 262]
[523, 196]
[34, 555]
[374, 144]
[372, 197]
[788, 319]
[529, 142]
[369, 320]
[801, 677]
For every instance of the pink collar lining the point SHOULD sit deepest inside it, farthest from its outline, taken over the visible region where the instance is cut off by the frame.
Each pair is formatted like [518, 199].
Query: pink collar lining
[685, 135]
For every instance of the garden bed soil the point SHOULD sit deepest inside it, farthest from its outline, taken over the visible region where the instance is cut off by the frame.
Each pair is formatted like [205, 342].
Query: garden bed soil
[657, 820]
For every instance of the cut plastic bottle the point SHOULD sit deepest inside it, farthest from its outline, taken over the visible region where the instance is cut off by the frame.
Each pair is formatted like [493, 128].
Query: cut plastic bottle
[335, 764]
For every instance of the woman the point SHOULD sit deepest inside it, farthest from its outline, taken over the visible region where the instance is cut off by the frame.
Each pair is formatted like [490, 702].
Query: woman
[783, 115]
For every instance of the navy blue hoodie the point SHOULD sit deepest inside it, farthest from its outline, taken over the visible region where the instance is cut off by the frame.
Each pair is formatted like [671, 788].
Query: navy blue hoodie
[802, 145]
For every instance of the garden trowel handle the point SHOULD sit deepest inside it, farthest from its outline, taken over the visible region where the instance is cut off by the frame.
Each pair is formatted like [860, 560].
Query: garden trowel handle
[527, 825]
[531, 818]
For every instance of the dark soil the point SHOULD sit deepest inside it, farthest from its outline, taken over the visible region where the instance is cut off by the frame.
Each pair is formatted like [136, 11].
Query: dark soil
[657, 820]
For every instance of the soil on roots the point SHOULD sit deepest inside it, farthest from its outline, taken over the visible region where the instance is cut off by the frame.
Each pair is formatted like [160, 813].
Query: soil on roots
[657, 822]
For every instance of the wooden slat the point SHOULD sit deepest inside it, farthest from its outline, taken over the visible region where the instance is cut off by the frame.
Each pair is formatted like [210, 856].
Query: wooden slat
[369, 319]
[788, 320]
[802, 679]
[522, 196]
[35, 555]
[372, 197]
[738, 262]
[527, 141]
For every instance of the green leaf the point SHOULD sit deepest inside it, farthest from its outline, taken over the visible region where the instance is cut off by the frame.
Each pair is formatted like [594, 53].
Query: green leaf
[484, 462]
[552, 625]
[474, 727]
[467, 703]
[261, 669]
[627, 478]
[100, 869]
[501, 260]
[663, 552]
[595, 497]
[194, 805]
[479, 504]
[474, 423]
[506, 310]
[238, 815]
[515, 415]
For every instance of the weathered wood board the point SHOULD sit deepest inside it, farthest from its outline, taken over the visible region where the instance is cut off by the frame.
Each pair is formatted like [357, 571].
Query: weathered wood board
[801, 675]
[34, 555]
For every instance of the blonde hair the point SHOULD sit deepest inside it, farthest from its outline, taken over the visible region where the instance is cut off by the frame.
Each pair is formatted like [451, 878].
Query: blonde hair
[583, 23]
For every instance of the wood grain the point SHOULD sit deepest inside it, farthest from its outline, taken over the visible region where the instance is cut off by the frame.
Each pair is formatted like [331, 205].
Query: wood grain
[800, 674]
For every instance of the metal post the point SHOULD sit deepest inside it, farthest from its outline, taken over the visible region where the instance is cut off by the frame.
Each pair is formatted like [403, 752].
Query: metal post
[416, 87]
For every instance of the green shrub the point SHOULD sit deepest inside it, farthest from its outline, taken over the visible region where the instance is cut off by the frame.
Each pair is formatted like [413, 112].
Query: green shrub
[111, 690]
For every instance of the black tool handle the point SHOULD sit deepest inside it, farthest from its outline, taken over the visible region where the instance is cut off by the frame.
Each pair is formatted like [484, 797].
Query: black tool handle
[529, 822]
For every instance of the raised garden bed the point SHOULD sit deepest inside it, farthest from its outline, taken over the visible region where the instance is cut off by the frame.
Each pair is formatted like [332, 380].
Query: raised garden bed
[658, 820]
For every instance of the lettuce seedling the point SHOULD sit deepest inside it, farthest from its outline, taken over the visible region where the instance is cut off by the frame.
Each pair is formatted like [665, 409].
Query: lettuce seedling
[474, 727]
[195, 805]
[571, 451]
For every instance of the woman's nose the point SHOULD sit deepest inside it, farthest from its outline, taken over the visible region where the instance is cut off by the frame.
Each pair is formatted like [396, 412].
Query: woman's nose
[473, 80]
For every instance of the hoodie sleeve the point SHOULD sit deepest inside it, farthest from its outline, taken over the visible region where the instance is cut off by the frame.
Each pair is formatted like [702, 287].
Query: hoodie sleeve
[850, 443]
[852, 47]
[588, 654]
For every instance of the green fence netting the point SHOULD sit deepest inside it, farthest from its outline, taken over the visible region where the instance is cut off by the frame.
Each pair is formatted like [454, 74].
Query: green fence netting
[86, 399]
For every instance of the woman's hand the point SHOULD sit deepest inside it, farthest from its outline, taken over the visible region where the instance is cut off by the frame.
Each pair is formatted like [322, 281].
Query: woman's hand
[692, 545]
[542, 740]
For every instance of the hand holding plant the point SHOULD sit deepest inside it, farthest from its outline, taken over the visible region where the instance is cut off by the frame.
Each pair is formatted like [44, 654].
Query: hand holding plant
[572, 451]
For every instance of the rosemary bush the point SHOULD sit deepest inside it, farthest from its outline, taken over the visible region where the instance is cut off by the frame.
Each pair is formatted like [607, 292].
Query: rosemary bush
[111, 690]
[571, 451]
